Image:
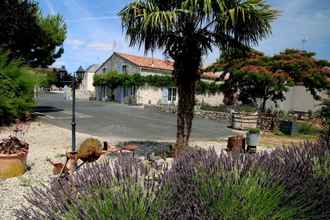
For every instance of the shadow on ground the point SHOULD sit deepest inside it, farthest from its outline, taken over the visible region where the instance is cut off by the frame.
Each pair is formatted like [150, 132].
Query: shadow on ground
[46, 109]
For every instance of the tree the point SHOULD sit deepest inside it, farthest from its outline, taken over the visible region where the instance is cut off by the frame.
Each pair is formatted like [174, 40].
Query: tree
[256, 76]
[304, 69]
[259, 83]
[188, 29]
[28, 35]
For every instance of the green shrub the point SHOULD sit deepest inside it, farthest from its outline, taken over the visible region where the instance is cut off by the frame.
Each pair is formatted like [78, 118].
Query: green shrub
[321, 167]
[234, 196]
[16, 91]
[114, 202]
[246, 108]
[305, 128]
[219, 108]
[254, 131]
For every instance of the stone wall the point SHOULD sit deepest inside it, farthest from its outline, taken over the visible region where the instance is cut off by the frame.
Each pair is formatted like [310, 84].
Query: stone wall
[217, 116]
[211, 99]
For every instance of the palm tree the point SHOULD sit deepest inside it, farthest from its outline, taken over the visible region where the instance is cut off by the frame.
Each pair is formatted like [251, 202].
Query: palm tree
[186, 30]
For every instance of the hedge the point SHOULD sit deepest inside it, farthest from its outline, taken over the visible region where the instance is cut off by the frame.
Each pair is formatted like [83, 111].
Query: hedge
[115, 79]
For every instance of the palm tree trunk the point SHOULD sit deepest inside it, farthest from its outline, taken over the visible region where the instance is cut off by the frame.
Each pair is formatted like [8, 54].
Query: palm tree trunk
[185, 114]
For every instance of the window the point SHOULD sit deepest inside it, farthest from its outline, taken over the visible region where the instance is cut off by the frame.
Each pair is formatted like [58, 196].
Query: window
[124, 68]
[171, 94]
[104, 70]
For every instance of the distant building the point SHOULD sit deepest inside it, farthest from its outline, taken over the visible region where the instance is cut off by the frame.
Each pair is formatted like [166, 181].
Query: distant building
[131, 64]
[87, 78]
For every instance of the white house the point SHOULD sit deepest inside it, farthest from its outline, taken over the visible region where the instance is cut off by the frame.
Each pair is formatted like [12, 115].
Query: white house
[87, 80]
[131, 64]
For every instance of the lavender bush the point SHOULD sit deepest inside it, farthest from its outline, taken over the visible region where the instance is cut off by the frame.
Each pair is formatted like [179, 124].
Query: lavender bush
[291, 183]
[106, 190]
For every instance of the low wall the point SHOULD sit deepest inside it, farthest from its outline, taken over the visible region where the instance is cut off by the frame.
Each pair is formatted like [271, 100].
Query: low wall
[218, 116]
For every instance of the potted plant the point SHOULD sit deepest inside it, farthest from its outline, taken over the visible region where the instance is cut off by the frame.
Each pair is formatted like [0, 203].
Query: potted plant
[13, 155]
[253, 138]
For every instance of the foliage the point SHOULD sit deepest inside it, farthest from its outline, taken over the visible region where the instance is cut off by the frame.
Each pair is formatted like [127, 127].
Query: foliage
[114, 79]
[256, 76]
[30, 36]
[118, 190]
[246, 108]
[287, 183]
[16, 91]
[44, 77]
[254, 131]
[303, 68]
[325, 115]
[186, 30]
[306, 128]
[253, 78]
[219, 108]
[298, 192]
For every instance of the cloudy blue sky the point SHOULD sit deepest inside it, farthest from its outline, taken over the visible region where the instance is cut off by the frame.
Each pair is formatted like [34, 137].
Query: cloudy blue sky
[94, 30]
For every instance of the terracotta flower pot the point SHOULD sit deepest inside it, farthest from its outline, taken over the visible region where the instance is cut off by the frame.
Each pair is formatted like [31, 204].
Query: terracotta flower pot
[12, 165]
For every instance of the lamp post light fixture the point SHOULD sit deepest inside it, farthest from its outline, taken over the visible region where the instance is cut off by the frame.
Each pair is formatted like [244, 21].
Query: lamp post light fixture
[62, 71]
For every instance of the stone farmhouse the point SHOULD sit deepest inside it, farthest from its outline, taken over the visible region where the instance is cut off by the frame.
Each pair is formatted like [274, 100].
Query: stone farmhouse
[146, 95]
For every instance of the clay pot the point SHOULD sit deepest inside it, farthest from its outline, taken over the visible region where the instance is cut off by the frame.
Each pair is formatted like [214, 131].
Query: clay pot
[12, 165]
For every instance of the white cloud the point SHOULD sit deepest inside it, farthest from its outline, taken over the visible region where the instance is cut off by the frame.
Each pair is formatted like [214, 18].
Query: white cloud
[103, 46]
[96, 18]
[75, 43]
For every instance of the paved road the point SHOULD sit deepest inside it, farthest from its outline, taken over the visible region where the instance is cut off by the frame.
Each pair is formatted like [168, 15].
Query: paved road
[121, 122]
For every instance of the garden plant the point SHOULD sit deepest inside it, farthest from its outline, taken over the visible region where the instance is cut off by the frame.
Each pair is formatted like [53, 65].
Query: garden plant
[289, 183]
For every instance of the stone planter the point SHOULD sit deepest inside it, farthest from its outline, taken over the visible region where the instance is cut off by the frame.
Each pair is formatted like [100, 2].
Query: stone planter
[12, 165]
[253, 139]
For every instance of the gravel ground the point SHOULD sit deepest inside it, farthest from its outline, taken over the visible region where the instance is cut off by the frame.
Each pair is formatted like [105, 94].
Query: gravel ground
[46, 141]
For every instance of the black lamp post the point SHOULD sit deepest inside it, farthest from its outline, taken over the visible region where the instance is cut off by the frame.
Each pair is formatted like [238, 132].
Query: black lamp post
[79, 72]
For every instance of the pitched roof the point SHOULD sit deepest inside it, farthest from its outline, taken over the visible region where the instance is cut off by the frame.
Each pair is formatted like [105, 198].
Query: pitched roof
[147, 62]
[92, 68]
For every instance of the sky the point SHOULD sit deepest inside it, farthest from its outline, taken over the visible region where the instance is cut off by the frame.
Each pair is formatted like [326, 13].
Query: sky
[95, 32]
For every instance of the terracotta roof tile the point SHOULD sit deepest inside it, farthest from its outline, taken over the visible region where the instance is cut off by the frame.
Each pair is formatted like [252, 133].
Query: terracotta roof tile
[148, 62]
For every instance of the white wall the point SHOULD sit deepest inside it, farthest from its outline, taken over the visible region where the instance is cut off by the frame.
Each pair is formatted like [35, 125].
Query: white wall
[87, 82]
[211, 99]
[148, 95]
[298, 98]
